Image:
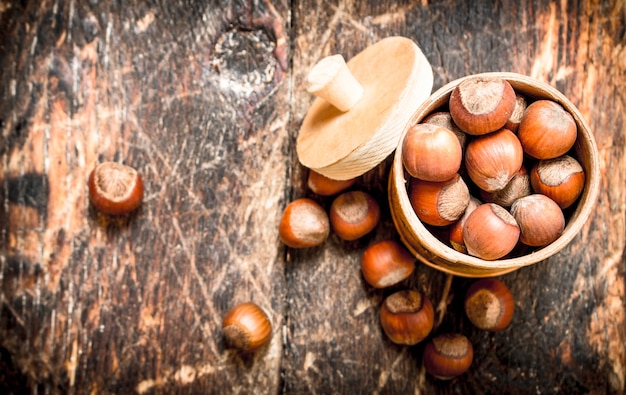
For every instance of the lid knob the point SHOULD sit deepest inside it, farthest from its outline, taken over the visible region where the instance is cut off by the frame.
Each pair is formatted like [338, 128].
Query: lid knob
[331, 80]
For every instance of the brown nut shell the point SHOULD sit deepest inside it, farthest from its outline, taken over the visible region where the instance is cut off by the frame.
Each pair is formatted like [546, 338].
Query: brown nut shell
[448, 355]
[386, 263]
[456, 229]
[246, 327]
[439, 203]
[431, 152]
[304, 223]
[493, 159]
[489, 304]
[444, 119]
[490, 232]
[540, 219]
[561, 179]
[115, 189]
[481, 105]
[547, 130]
[518, 113]
[407, 317]
[324, 186]
[517, 187]
[354, 214]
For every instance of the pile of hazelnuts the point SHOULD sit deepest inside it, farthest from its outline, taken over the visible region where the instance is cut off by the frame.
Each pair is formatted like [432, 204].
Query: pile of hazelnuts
[406, 316]
[491, 146]
[116, 190]
[305, 223]
[496, 168]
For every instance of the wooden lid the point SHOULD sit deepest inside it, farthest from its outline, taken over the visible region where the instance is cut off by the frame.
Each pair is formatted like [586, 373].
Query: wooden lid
[341, 144]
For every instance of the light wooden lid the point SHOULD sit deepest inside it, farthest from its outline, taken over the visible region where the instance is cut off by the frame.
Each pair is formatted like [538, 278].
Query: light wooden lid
[373, 103]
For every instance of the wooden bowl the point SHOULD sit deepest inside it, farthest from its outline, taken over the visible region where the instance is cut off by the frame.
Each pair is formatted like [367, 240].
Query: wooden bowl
[433, 252]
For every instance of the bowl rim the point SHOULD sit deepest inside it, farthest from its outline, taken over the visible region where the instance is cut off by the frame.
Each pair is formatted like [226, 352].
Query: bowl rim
[582, 212]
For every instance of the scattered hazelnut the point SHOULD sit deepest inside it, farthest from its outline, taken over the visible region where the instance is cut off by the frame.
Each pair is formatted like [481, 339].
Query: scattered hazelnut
[489, 304]
[386, 263]
[246, 327]
[448, 355]
[354, 214]
[115, 189]
[304, 223]
[407, 317]
[324, 186]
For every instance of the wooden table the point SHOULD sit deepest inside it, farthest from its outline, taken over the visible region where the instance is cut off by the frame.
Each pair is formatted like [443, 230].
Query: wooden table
[205, 99]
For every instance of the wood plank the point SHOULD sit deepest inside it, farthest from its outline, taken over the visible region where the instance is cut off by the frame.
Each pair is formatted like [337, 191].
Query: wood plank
[205, 99]
[192, 94]
[554, 344]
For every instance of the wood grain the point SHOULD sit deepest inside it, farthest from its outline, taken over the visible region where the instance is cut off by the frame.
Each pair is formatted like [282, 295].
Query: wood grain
[205, 99]
[192, 96]
[553, 345]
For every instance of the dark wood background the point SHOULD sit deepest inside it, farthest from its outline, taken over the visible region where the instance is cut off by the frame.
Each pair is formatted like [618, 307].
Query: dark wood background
[205, 99]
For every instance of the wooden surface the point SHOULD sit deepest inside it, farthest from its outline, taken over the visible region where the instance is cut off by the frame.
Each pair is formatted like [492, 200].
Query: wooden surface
[205, 99]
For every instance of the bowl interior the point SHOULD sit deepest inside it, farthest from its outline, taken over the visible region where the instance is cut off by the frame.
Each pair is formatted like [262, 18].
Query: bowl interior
[430, 250]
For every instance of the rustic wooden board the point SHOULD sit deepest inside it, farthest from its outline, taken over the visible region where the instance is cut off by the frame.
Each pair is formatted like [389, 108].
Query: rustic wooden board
[193, 95]
[568, 332]
[205, 99]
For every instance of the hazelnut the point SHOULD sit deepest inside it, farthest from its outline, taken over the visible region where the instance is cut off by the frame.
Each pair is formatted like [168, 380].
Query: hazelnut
[493, 159]
[489, 304]
[354, 214]
[304, 223]
[518, 112]
[547, 130]
[456, 229]
[561, 179]
[448, 355]
[518, 187]
[386, 263]
[246, 327]
[439, 203]
[490, 232]
[431, 152]
[480, 105]
[407, 317]
[540, 219]
[444, 119]
[324, 186]
[115, 189]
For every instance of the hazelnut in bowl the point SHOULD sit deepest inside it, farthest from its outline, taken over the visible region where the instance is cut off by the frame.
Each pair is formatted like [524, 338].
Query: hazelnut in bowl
[502, 225]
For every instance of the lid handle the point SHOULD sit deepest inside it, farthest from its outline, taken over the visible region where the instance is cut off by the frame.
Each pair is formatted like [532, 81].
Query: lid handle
[331, 80]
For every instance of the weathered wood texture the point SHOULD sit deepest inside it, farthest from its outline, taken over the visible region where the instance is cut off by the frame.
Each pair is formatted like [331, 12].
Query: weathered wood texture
[568, 332]
[205, 99]
[192, 94]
